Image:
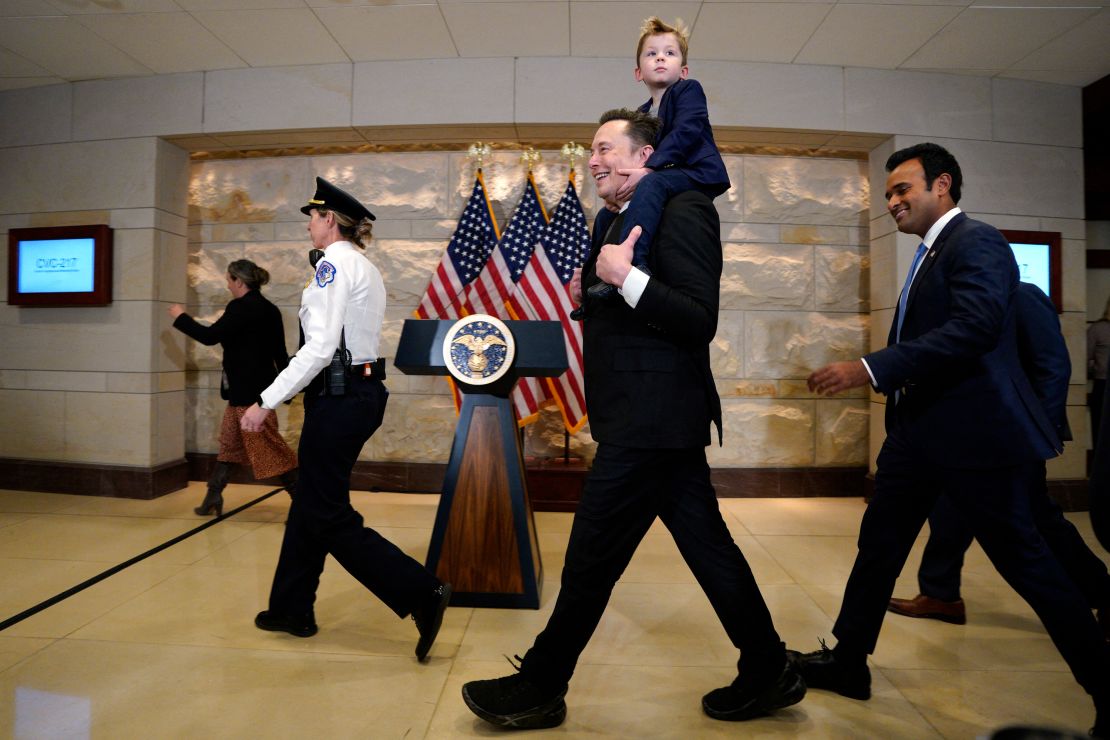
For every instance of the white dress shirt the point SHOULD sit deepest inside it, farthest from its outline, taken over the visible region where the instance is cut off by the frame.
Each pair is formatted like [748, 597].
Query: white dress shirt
[345, 294]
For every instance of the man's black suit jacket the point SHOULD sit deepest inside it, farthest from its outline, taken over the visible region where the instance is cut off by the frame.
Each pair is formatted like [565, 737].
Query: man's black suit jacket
[253, 339]
[966, 401]
[648, 381]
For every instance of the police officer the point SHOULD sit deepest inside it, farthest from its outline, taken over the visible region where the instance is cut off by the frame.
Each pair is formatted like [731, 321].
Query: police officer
[339, 367]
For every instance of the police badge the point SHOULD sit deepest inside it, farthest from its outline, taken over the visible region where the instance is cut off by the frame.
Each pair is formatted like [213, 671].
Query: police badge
[478, 349]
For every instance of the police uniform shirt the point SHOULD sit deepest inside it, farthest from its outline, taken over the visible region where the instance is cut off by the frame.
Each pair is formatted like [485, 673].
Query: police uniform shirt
[346, 293]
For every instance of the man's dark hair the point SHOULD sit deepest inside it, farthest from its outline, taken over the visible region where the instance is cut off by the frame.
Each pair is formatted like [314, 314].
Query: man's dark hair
[935, 160]
[642, 128]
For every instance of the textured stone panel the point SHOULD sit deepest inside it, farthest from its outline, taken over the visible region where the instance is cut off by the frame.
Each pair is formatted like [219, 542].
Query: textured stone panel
[200, 356]
[805, 191]
[726, 351]
[792, 345]
[242, 232]
[743, 232]
[544, 438]
[765, 433]
[400, 185]
[288, 266]
[730, 204]
[415, 429]
[433, 229]
[290, 231]
[406, 268]
[743, 388]
[208, 272]
[815, 234]
[842, 278]
[767, 276]
[842, 429]
[239, 191]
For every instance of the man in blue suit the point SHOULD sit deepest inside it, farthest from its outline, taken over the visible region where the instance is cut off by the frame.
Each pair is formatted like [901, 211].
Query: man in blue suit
[962, 423]
[1044, 357]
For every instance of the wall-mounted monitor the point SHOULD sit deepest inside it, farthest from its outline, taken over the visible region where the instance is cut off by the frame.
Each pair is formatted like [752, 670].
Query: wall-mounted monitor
[1038, 258]
[60, 266]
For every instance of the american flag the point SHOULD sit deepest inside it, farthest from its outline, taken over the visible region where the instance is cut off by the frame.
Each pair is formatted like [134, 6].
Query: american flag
[474, 239]
[497, 281]
[543, 294]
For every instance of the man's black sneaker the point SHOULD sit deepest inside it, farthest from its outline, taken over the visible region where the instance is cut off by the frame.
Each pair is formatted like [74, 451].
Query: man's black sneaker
[821, 670]
[736, 702]
[515, 702]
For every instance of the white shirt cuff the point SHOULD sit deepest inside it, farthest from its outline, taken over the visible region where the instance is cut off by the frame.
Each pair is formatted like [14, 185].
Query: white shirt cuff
[870, 374]
[634, 285]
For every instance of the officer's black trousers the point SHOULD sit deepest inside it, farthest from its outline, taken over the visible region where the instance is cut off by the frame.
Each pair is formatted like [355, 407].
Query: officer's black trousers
[322, 520]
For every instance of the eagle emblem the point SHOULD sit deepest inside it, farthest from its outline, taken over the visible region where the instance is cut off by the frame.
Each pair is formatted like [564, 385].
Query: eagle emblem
[478, 349]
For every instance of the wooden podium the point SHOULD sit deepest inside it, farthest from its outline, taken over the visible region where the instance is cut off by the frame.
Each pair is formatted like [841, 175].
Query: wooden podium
[484, 541]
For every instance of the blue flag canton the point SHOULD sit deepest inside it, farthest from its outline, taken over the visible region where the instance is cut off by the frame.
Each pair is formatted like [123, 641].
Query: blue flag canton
[474, 238]
[566, 239]
[519, 240]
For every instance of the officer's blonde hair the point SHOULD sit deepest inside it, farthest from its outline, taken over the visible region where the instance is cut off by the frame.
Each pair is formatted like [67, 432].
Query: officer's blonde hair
[358, 233]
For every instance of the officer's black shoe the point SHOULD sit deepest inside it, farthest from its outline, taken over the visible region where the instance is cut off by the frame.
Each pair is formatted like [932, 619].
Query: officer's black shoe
[598, 291]
[514, 702]
[302, 626]
[737, 702]
[429, 617]
[822, 670]
[578, 313]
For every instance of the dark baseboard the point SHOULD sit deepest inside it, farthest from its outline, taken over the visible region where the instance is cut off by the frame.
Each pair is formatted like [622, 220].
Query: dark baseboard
[1073, 494]
[116, 481]
[555, 485]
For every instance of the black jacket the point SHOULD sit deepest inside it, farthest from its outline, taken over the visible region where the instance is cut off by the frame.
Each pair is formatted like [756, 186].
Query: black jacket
[648, 381]
[253, 339]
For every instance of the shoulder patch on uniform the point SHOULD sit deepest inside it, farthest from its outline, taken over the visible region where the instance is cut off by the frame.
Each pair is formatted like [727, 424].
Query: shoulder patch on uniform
[325, 273]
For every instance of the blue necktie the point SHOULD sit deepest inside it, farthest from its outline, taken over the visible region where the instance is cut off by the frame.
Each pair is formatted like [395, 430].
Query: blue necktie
[921, 249]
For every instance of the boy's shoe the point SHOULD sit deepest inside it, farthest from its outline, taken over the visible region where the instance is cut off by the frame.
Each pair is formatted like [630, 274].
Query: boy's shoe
[598, 291]
[271, 621]
[514, 702]
[429, 618]
[822, 670]
[735, 703]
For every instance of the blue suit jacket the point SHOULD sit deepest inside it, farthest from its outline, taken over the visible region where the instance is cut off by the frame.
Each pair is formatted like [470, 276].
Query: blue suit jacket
[686, 139]
[966, 402]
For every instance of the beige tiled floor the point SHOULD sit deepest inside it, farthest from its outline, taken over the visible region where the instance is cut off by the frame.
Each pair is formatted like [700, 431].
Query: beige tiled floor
[167, 648]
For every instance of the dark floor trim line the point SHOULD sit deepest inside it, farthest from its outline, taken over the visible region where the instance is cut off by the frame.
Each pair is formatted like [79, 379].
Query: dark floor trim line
[127, 564]
[90, 479]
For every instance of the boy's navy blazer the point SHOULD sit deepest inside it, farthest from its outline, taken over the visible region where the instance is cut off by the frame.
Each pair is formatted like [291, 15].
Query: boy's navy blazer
[686, 139]
[966, 401]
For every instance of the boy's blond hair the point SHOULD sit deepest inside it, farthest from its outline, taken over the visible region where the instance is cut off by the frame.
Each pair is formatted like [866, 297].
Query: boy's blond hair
[654, 26]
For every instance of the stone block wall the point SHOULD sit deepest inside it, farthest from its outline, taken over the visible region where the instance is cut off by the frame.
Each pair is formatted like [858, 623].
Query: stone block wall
[794, 294]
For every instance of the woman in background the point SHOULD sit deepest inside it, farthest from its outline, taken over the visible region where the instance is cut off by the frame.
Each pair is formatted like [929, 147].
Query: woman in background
[253, 340]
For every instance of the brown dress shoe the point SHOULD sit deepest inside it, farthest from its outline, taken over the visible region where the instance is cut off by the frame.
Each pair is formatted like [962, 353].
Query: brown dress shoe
[926, 607]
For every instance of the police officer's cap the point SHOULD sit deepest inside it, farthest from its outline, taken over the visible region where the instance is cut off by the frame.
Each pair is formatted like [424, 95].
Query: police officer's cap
[332, 198]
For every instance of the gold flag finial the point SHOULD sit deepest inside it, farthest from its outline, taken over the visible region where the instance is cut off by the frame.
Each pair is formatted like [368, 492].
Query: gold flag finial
[478, 151]
[530, 158]
[572, 152]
